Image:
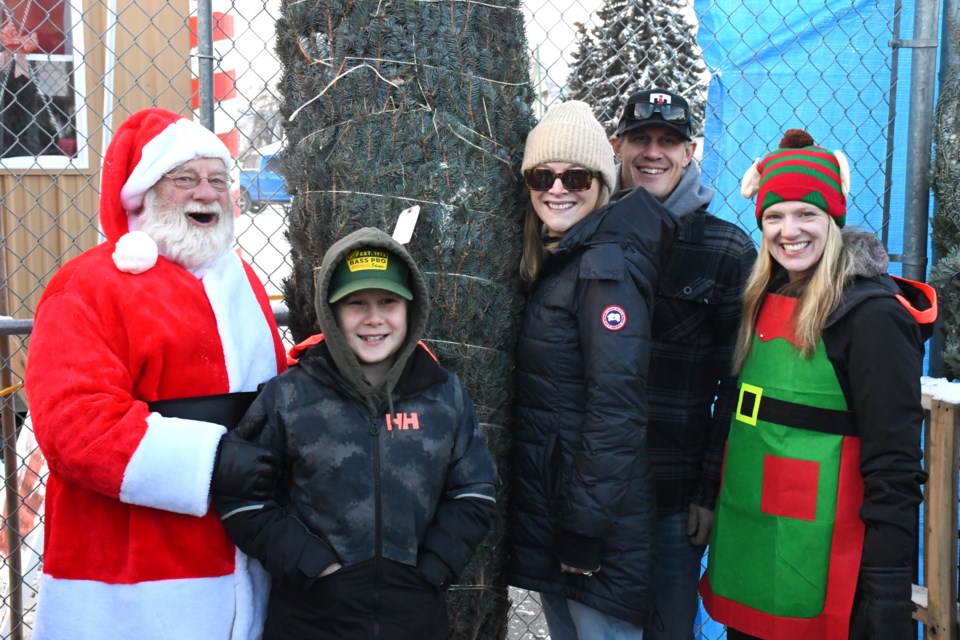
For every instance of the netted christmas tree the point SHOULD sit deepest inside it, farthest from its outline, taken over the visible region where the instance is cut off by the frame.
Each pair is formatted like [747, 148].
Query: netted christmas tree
[638, 44]
[945, 276]
[398, 103]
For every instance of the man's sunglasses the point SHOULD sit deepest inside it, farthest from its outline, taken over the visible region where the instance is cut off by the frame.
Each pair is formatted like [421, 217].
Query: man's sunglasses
[571, 179]
[669, 112]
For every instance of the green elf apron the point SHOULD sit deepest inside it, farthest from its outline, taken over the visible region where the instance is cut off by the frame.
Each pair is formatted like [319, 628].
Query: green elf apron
[787, 537]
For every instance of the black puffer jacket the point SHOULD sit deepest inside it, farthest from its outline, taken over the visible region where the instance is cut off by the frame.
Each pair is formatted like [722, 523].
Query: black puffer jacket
[583, 491]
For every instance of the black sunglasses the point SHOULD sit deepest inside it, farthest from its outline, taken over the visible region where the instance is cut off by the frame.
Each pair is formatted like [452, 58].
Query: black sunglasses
[668, 112]
[571, 179]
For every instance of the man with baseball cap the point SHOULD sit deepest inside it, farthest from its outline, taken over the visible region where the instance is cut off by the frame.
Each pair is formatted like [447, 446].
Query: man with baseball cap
[145, 350]
[695, 320]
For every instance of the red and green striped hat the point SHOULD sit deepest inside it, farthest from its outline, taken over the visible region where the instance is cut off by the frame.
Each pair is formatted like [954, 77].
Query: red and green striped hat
[800, 171]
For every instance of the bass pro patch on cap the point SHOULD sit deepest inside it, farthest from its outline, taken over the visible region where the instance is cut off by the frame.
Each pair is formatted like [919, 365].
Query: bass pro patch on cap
[367, 260]
[614, 318]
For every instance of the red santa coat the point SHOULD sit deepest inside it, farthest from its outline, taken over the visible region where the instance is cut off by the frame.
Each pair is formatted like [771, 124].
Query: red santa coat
[132, 548]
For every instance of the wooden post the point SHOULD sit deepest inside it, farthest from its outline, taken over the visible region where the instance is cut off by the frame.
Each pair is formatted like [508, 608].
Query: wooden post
[942, 449]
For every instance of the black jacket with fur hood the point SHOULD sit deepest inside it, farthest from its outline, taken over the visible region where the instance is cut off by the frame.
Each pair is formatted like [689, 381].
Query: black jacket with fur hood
[874, 339]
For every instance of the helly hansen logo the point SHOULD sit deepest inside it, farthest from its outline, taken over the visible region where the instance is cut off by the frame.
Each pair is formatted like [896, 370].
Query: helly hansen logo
[403, 422]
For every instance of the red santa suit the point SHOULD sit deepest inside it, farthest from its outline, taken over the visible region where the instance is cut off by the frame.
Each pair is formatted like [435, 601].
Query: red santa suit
[132, 547]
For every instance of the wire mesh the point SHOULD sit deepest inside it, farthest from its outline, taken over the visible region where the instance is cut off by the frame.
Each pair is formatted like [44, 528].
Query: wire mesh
[71, 70]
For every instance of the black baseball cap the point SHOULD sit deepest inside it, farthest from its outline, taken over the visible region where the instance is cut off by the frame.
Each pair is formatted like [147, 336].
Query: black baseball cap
[659, 107]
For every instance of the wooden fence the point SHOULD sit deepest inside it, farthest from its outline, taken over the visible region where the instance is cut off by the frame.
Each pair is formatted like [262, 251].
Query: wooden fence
[935, 603]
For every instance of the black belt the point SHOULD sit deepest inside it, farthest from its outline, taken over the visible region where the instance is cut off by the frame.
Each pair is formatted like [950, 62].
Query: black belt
[224, 408]
[754, 406]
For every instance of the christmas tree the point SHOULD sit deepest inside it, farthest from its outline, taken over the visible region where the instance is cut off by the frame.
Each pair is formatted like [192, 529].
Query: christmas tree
[394, 104]
[639, 44]
[945, 276]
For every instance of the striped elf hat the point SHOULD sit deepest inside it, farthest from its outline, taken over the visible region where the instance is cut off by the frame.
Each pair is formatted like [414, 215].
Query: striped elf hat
[800, 171]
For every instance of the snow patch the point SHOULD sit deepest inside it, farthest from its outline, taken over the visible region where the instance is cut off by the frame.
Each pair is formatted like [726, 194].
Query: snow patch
[941, 389]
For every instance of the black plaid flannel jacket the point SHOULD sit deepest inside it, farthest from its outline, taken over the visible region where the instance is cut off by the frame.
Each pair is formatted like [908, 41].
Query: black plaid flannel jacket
[691, 390]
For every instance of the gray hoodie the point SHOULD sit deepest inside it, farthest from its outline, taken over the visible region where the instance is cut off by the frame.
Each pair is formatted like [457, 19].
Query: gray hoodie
[343, 356]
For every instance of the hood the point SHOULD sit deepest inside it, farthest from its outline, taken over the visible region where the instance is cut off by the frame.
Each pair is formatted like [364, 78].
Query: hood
[690, 194]
[866, 278]
[342, 356]
[868, 257]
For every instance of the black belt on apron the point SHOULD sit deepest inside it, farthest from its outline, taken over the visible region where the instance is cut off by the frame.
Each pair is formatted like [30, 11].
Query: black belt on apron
[754, 406]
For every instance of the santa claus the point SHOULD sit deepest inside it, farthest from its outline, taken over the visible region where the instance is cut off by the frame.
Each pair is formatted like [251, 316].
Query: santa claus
[144, 349]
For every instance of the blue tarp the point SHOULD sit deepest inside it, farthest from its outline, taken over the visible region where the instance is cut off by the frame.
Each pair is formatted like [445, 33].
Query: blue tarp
[819, 66]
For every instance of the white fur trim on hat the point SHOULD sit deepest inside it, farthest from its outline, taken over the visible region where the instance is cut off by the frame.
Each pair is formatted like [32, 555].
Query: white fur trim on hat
[183, 140]
[135, 252]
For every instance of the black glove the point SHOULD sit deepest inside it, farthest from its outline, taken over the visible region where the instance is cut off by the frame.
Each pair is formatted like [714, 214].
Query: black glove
[882, 609]
[245, 469]
[435, 571]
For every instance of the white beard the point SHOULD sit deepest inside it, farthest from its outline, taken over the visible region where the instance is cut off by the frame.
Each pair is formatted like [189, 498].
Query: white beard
[178, 239]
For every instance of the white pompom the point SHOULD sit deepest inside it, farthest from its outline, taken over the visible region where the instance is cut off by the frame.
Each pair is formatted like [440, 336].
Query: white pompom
[136, 252]
[750, 183]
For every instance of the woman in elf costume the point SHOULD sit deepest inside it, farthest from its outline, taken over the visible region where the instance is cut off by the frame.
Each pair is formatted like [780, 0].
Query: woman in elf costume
[814, 534]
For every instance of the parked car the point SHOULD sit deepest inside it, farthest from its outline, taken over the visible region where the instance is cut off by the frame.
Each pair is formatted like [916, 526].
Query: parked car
[261, 183]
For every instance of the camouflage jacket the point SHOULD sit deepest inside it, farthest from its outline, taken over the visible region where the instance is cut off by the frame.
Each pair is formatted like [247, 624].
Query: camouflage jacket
[413, 484]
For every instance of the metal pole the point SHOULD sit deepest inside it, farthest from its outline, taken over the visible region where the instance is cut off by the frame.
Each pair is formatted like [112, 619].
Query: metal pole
[8, 427]
[919, 137]
[205, 61]
[13, 499]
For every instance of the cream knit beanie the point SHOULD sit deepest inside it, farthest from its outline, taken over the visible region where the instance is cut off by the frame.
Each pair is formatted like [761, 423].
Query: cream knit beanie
[569, 132]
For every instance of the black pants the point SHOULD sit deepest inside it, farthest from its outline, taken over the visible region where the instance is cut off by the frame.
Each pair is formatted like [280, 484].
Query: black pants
[733, 634]
[367, 601]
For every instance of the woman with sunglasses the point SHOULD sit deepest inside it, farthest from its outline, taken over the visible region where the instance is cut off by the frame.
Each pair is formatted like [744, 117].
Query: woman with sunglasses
[583, 517]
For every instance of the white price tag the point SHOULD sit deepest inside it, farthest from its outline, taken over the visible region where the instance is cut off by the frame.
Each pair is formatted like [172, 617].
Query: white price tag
[405, 224]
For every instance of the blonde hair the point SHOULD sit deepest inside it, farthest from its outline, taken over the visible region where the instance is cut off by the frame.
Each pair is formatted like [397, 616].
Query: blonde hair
[534, 250]
[818, 294]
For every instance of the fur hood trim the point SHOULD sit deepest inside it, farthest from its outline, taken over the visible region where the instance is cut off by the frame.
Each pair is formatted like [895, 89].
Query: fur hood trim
[868, 258]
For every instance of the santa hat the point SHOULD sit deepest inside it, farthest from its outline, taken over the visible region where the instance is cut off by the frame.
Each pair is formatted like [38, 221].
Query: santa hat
[146, 146]
[800, 171]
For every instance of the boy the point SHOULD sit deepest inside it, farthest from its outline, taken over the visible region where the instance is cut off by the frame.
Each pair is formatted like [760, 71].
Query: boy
[387, 483]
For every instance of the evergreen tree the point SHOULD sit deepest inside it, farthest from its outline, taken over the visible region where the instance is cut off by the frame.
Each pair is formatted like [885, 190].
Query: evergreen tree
[401, 102]
[945, 276]
[639, 44]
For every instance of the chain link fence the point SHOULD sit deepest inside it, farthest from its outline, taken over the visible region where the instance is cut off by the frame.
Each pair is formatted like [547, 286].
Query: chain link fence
[70, 71]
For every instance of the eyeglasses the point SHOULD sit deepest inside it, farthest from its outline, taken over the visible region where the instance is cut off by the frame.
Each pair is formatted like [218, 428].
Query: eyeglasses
[571, 179]
[668, 112]
[191, 181]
